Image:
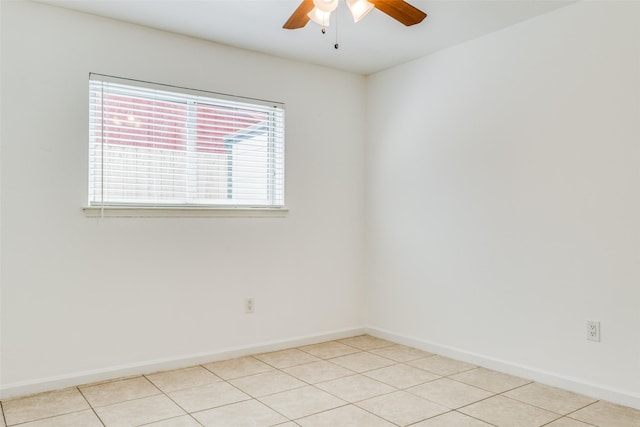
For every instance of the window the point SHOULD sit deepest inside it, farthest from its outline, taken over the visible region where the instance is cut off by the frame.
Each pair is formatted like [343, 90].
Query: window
[152, 145]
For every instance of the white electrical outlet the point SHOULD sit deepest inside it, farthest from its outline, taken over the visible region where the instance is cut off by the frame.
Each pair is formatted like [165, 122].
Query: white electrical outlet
[593, 330]
[249, 305]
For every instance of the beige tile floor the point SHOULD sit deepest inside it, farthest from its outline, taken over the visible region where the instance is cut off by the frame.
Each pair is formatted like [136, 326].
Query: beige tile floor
[359, 381]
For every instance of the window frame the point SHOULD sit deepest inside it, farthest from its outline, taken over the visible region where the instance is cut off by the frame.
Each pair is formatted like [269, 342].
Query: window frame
[141, 209]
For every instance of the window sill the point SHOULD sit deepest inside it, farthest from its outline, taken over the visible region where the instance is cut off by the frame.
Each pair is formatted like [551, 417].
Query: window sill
[182, 212]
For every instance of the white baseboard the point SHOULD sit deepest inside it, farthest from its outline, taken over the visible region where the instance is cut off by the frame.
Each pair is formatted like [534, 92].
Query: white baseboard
[597, 391]
[39, 385]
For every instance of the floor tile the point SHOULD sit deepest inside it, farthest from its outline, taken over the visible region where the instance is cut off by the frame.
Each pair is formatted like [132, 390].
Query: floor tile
[250, 413]
[301, 402]
[288, 424]
[236, 368]
[452, 419]
[208, 396]
[85, 418]
[504, 412]
[182, 421]
[266, 383]
[449, 393]
[286, 358]
[327, 350]
[550, 398]
[402, 408]
[400, 353]
[182, 378]
[139, 411]
[317, 372]
[355, 388]
[43, 405]
[118, 391]
[441, 365]
[365, 342]
[568, 422]
[361, 362]
[345, 416]
[401, 376]
[487, 379]
[608, 415]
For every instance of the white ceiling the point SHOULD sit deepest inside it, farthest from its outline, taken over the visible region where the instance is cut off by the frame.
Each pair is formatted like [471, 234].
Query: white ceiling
[375, 43]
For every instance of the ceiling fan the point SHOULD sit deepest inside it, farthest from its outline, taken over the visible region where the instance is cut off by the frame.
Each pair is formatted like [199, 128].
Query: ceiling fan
[319, 11]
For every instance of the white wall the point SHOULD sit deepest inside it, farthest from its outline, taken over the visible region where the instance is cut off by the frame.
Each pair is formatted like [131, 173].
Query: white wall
[503, 205]
[504, 199]
[84, 298]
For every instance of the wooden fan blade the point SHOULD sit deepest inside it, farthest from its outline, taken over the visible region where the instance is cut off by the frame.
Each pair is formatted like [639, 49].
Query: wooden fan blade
[400, 10]
[299, 18]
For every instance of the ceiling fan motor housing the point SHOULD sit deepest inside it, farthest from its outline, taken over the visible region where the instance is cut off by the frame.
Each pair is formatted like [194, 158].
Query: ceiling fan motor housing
[326, 5]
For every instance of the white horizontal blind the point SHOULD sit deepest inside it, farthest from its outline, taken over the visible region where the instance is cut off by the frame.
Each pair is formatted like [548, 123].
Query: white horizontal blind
[154, 145]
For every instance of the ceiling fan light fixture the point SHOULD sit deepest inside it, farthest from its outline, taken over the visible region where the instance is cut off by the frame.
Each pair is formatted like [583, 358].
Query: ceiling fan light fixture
[326, 5]
[320, 17]
[359, 8]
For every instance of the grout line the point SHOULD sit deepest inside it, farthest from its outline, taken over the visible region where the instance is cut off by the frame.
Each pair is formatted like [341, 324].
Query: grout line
[471, 416]
[271, 368]
[586, 406]
[162, 392]
[276, 392]
[540, 407]
[307, 384]
[430, 418]
[572, 419]
[477, 401]
[317, 413]
[212, 373]
[90, 406]
[325, 358]
[439, 374]
[4, 419]
[530, 404]
[361, 400]
[490, 391]
[204, 409]
[274, 410]
[195, 419]
[168, 419]
[552, 421]
[50, 417]
[376, 415]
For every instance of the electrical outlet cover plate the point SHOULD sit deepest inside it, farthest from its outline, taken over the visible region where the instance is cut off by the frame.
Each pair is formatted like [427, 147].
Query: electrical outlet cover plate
[249, 305]
[593, 330]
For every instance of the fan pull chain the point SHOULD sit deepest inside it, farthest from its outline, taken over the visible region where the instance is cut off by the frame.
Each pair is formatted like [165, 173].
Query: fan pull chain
[324, 29]
[336, 46]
